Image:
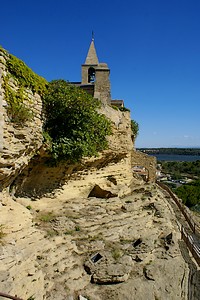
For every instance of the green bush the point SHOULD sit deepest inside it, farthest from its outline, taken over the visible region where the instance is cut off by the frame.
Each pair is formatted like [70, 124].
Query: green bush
[76, 128]
[189, 193]
[123, 109]
[134, 128]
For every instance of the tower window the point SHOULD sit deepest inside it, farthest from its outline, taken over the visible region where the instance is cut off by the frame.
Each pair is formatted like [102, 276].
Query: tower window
[91, 75]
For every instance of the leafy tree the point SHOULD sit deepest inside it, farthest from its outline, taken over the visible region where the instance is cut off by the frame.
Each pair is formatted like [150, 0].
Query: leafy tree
[135, 128]
[189, 193]
[189, 167]
[75, 127]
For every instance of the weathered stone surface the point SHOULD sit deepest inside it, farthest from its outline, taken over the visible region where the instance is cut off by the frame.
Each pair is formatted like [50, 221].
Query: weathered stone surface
[109, 270]
[20, 142]
[45, 243]
[45, 259]
[82, 298]
[100, 193]
[148, 162]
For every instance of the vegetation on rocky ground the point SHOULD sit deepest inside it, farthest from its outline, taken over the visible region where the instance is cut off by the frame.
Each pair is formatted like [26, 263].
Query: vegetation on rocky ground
[25, 76]
[190, 192]
[178, 169]
[18, 110]
[74, 126]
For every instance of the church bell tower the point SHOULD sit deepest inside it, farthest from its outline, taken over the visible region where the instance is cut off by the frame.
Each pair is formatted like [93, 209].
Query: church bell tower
[96, 74]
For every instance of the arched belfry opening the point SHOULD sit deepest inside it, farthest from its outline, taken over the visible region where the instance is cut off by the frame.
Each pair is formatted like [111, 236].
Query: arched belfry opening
[91, 75]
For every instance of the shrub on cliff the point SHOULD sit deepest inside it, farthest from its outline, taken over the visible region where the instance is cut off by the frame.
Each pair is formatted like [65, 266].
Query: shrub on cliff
[75, 127]
[18, 107]
[134, 128]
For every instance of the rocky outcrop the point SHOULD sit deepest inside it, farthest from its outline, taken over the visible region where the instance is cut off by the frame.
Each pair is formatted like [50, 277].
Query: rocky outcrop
[51, 230]
[60, 248]
[18, 143]
[143, 160]
[111, 169]
[109, 269]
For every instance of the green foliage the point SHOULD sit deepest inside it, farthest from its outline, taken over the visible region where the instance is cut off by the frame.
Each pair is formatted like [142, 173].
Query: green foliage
[47, 217]
[114, 107]
[51, 233]
[124, 109]
[76, 128]
[77, 228]
[17, 100]
[175, 151]
[3, 50]
[17, 110]
[116, 253]
[25, 76]
[135, 128]
[171, 185]
[178, 168]
[189, 193]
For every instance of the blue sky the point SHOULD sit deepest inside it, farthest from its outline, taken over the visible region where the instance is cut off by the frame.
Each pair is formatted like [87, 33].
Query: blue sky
[151, 46]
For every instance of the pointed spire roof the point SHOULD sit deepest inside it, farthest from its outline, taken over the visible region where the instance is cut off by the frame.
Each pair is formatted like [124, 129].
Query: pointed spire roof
[92, 58]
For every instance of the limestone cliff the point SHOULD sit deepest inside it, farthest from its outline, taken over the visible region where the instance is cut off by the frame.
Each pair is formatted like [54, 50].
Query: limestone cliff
[56, 243]
[18, 143]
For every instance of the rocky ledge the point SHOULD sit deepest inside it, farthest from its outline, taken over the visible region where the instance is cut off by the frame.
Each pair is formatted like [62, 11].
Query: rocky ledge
[92, 248]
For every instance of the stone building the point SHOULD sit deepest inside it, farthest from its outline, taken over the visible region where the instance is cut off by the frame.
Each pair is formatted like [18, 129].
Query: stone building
[95, 78]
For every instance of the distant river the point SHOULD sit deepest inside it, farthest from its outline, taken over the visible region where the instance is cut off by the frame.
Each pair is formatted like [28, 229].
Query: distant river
[172, 157]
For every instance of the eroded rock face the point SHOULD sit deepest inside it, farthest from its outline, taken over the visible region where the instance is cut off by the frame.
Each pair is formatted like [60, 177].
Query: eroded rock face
[47, 241]
[98, 192]
[108, 269]
[50, 246]
[19, 143]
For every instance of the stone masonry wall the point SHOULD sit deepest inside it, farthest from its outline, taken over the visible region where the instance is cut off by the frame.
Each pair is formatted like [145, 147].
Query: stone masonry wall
[102, 84]
[18, 144]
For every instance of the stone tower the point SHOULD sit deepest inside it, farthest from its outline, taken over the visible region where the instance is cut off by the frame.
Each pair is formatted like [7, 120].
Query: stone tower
[96, 74]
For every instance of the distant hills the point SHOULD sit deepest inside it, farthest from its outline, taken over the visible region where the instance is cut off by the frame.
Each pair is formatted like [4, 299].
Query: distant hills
[174, 151]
